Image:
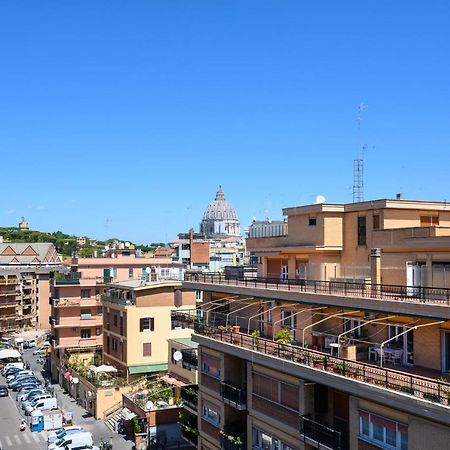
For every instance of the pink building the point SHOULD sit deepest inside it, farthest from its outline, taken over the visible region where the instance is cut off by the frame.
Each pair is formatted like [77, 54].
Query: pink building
[77, 313]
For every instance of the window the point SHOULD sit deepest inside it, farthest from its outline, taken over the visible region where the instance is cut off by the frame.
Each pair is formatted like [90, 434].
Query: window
[97, 331]
[264, 441]
[210, 366]
[288, 319]
[429, 221]
[115, 320]
[276, 391]
[178, 298]
[350, 324]
[312, 222]
[376, 222]
[114, 345]
[211, 413]
[130, 273]
[85, 313]
[381, 431]
[85, 293]
[147, 349]
[147, 324]
[85, 334]
[362, 238]
[198, 295]
[108, 346]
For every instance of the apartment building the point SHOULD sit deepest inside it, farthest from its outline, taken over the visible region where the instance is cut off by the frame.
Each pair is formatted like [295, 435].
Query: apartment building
[137, 323]
[342, 342]
[25, 273]
[77, 313]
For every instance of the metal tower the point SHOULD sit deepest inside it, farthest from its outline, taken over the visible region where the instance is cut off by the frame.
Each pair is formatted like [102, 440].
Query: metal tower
[358, 164]
[358, 180]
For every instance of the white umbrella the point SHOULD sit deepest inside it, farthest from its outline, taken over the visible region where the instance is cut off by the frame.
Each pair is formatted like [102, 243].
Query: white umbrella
[9, 353]
[103, 368]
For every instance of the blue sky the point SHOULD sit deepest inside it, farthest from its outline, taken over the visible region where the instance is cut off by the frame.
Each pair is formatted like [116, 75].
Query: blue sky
[120, 118]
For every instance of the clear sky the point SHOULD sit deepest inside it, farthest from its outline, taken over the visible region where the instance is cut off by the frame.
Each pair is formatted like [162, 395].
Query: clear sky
[120, 118]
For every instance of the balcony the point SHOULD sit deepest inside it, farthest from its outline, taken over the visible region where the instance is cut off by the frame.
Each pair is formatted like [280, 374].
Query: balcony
[319, 436]
[337, 293]
[190, 435]
[233, 396]
[70, 342]
[77, 301]
[190, 397]
[77, 321]
[227, 444]
[416, 386]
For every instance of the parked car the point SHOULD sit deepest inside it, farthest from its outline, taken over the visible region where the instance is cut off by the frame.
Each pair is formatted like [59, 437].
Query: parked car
[18, 365]
[3, 390]
[26, 394]
[62, 432]
[30, 379]
[80, 439]
[18, 374]
[42, 350]
[37, 398]
[28, 385]
[29, 343]
[11, 371]
[44, 405]
[80, 447]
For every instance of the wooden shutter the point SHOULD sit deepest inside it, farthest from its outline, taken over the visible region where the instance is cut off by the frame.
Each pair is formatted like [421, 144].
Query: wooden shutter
[178, 300]
[152, 324]
[147, 349]
[141, 324]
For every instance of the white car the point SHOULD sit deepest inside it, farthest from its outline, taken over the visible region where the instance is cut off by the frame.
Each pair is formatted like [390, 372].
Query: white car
[62, 432]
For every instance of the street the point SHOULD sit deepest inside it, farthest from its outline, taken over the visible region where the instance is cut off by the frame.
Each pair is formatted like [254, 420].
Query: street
[12, 438]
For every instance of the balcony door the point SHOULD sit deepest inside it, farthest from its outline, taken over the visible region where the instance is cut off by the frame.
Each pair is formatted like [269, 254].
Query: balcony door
[284, 272]
[445, 346]
[404, 341]
[413, 278]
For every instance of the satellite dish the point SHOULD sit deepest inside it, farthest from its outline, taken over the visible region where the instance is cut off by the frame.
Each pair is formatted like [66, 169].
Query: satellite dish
[75, 380]
[178, 356]
[148, 271]
[149, 405]
[320, 199]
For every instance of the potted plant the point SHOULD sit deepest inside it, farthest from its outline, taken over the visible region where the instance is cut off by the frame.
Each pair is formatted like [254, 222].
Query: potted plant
[236, 328]
[256, 334]
[283, 336]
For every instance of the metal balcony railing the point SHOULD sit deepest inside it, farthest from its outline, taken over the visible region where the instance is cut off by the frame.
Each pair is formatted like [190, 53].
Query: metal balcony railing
[233, 394]
[323, 436]
[190, 396]
[190, 436]
[226, 444]
[410, 294]
[394, 380]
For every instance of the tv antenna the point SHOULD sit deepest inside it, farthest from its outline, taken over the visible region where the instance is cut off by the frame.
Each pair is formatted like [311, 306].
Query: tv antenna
[358, 163]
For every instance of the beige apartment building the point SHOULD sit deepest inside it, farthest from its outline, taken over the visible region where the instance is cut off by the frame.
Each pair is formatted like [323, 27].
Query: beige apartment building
[25, 273]
[342, 342]
[137, 324]
[77, 312]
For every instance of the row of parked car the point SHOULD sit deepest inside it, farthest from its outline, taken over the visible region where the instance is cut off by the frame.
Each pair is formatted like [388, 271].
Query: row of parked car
[32, 395]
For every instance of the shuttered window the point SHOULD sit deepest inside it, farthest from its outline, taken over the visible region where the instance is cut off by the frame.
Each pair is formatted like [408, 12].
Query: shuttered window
[147, 349]
[178, 300]
[210, 365]
[147, 324]
[276, 391]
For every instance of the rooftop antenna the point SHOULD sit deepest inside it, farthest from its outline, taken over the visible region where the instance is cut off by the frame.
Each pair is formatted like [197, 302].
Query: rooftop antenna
[358, 163]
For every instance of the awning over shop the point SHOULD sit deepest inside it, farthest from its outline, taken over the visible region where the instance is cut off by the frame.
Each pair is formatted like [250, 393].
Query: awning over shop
[147, 368]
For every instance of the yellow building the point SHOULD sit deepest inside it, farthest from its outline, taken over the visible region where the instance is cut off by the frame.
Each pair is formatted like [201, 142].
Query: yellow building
[137, 324]
[342, 342]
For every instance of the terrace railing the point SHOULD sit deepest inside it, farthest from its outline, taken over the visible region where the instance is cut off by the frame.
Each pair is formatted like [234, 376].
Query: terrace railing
[394, 380]
[233, 394]
[412, 294]
[323, 436]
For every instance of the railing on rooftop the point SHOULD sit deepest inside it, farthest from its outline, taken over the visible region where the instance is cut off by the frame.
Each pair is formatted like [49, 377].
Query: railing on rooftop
[411, 294]
[323, 436]
[417, 386]
[190, 396]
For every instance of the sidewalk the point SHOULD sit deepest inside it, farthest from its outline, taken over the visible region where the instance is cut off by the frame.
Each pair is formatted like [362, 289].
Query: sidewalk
[98, 428]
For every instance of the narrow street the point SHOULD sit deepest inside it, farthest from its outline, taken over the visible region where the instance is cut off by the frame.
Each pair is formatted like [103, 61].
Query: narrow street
[12, 438]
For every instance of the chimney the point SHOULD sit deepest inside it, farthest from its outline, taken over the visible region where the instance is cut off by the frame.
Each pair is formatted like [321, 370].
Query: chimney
[399, 196]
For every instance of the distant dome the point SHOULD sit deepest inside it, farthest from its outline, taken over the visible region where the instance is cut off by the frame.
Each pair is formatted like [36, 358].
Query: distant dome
[220, 209]
[220, 218]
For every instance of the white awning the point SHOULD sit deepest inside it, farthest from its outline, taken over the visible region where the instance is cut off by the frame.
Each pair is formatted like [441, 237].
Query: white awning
[103, 369]
[9, 353]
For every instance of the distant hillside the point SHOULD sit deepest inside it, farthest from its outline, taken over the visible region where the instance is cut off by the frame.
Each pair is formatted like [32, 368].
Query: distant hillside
[66, 244]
